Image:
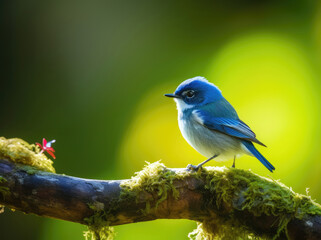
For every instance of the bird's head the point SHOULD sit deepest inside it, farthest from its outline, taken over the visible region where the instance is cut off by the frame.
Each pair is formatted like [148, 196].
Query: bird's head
[193, 92]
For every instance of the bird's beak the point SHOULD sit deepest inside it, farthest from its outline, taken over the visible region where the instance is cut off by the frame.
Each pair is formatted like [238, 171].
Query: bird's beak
[172, 95]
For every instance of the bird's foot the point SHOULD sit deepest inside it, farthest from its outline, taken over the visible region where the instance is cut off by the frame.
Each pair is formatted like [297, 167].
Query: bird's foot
[233, 166]
[194, 168]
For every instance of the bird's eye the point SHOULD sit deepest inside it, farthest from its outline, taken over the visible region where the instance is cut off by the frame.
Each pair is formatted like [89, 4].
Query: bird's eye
[190, 94]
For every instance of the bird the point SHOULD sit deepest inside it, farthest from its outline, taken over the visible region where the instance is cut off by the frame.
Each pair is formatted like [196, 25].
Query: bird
[210, 124]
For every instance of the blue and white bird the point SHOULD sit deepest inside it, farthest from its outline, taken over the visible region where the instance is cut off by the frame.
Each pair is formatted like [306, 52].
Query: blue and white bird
[210, 124]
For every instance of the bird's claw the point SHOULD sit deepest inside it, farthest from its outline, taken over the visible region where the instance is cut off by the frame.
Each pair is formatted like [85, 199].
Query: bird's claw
[191, 167]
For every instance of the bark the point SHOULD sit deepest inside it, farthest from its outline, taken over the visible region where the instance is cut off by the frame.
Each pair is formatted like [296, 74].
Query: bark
[77, 200]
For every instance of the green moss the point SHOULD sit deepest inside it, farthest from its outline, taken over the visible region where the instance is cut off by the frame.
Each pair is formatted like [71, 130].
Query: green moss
[19, 151]
[98, 226]
[227, 191]
[236, 189]
[29, 169]
[1, 209]
[99, 233]
[4, 191]
[154, 178]
[2, 179]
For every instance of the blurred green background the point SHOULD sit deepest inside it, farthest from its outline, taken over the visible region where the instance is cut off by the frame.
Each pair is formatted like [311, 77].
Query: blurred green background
[92, 74]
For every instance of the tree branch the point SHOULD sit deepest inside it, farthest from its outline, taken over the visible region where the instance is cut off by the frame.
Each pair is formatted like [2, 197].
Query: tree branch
[223, 200]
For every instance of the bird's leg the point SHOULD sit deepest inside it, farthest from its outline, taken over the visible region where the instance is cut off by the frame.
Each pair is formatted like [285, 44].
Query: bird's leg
[233, 166]
[195, 168]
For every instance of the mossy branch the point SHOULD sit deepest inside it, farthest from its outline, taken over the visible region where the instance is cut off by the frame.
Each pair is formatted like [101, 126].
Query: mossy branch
[225, 202]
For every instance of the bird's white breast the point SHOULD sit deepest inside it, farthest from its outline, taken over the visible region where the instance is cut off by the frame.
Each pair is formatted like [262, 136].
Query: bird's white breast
[205, 141]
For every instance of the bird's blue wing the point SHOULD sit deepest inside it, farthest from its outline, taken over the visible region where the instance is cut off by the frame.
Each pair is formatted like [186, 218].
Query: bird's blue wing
[229, 126]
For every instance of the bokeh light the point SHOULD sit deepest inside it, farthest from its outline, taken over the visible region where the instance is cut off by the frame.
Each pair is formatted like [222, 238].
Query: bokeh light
[269, 81]
[154, 135]
[92, 76]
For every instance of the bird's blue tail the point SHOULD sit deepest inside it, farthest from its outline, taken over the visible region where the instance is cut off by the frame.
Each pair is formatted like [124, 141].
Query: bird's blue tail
[249, 146]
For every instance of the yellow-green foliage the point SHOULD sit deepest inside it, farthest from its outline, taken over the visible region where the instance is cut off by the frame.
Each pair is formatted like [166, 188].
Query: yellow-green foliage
[19, 151]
